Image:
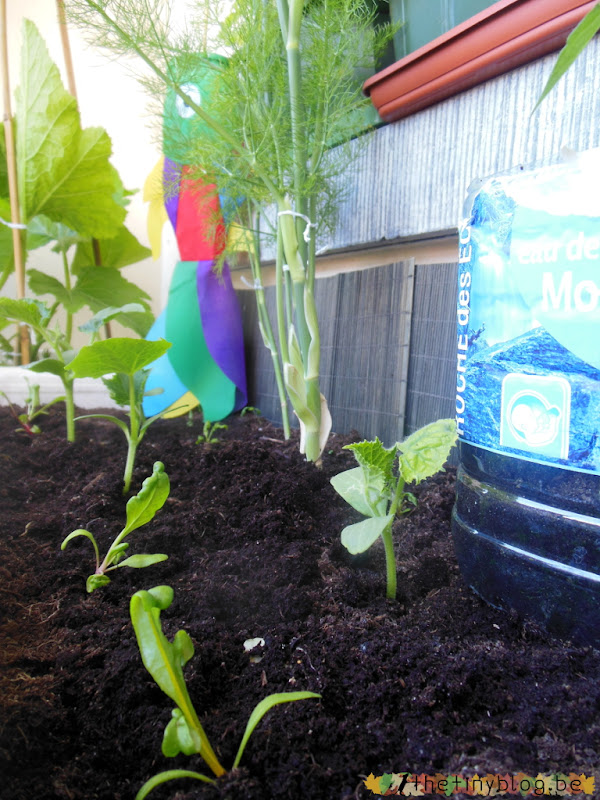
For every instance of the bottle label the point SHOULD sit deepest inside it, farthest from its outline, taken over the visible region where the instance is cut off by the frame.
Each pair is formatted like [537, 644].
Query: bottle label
[528, 324]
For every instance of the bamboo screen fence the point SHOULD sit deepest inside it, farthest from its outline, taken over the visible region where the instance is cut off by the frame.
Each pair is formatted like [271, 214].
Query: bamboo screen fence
[388, 335]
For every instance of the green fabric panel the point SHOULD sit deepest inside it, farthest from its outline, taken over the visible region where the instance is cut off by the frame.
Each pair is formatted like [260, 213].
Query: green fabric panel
[189, 355]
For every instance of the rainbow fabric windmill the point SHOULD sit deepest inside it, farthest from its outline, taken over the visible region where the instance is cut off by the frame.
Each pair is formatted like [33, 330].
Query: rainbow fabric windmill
[202, 318]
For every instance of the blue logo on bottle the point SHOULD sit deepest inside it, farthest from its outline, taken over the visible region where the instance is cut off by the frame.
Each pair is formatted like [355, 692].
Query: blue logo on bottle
[535, 415]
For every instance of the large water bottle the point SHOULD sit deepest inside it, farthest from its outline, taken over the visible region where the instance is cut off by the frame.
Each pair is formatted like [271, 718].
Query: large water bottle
[526, 522]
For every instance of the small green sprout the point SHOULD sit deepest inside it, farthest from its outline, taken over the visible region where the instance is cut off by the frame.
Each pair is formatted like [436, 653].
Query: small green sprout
[250, 410]
[140, 509]
[209, 432]
[165, 660]
[125, 360]
[377, 491]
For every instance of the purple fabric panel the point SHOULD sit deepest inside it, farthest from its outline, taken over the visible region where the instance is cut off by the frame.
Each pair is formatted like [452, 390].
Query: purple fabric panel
[222, 324]
[171, 178]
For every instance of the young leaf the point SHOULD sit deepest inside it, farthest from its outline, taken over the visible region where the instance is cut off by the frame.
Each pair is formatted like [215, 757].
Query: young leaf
[116, 355]
[168, 775]
[352, 486]
[178, 737]
[262, 708]
[52, 365]
[151, 498]
[88, 535]
[96, 582]
[359, 537]
[425, 451]
[143, 560]
[374, 458]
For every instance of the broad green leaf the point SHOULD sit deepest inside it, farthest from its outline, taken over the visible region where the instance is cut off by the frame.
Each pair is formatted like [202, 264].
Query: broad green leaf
[41, 283]
[117, 252]
[425, 451]
[99, 287]
[351, 485]
[116, 355]
[359, 537]
[164, 660]
[139, 322]
[28, 311]
[142, 560]
[576, 42]
[374, 457]
[169, 775]
[43, 231]
[262, 708]
[52, 365]
[107, 314]
[178, 737]
[151, 498]
[63, 171]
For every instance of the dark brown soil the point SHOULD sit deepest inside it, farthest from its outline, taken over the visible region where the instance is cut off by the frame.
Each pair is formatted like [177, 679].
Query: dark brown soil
[436, 682]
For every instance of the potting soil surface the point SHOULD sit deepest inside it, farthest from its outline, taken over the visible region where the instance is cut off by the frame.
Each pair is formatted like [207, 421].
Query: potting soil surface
[434, 683]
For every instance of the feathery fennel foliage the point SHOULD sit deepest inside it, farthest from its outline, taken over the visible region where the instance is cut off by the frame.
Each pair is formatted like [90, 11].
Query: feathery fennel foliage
[274, 131]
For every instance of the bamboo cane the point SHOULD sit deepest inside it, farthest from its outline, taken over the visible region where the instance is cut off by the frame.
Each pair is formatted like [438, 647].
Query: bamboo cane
[11, 161]
[66, 47]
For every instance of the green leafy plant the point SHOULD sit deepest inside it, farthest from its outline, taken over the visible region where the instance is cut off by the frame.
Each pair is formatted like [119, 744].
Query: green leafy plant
[265, 132]
[165, 660]
[124, 360]
[209, 432]
[70, 196]
[140, 510]
[577, 41]
[376, 488]
[33, 410]
[250, 410]
[37, 316]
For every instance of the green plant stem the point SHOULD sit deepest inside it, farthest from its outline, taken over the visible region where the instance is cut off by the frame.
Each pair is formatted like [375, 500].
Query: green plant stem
[133, 437]
[70, 409]
[388, 542]
[69, 317]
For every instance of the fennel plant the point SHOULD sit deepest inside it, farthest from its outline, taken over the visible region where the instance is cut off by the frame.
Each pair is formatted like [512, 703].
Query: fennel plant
[289, 92]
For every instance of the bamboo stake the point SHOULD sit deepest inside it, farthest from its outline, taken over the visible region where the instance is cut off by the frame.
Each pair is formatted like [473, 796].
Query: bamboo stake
[66, 47]
[11, 160]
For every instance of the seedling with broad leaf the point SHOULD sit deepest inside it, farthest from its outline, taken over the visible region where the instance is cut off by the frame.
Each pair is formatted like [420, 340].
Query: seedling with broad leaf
[124, 360]
[165, 660]
[376, 488]
[140, 510]
[37, 316]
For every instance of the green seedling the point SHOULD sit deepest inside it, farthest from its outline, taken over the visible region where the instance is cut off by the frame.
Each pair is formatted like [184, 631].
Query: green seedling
[33, 410]
[165, 660]
[125, 360]
[250, 410]
[209, 432]
[376, 488]
[140, 510]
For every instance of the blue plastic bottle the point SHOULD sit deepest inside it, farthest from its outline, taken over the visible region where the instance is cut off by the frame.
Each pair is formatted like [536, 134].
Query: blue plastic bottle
[526, 522]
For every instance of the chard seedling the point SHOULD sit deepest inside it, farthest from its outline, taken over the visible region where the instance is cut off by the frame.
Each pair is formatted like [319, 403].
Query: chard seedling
[140, 509]
[165, 660]
[33, 410]
[125, 360]
[377, 490]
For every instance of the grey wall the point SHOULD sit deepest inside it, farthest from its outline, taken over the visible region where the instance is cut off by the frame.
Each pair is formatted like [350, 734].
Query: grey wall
[388, 349]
